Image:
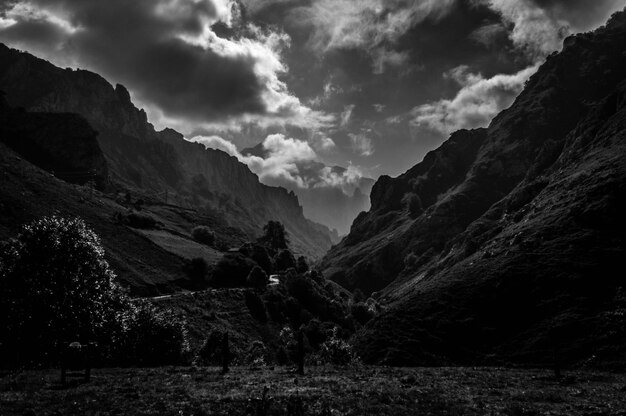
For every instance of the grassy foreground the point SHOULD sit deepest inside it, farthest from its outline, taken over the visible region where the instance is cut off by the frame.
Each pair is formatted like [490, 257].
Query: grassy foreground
[322, 391]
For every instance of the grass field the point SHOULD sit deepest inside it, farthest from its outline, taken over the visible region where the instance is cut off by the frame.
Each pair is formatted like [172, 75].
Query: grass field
[322, 391]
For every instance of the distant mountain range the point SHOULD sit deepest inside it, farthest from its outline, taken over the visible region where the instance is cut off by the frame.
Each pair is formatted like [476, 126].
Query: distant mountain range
[334, 206]
[136, 158]
[507, 243]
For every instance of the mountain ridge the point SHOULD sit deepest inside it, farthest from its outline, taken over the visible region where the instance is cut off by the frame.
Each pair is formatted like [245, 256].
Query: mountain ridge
[144, 160]
[504, 236]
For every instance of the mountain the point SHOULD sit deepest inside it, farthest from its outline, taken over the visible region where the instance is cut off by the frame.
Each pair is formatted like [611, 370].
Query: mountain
[506, 244]
[335, 205]
[154, 164]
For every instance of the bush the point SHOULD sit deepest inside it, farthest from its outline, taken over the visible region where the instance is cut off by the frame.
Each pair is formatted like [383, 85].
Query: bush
[336, 351]
[285, 260]
[56, 287]
[204, 236]
[150, 337]
[232, 271]
[257, 278]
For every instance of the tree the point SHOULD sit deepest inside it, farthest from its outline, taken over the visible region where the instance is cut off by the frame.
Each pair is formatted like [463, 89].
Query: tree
[56, 287]
[275, 236]
[204, 235]
[302, 266]
[257, 278]
[285, 260]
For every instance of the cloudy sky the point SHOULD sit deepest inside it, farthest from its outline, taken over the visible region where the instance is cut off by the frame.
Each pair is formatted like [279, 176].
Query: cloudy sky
[367, 84]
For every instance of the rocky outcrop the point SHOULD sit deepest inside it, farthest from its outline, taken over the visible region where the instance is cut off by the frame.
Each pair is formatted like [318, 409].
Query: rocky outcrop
[63, 144]
[147, 161]
[501, 244]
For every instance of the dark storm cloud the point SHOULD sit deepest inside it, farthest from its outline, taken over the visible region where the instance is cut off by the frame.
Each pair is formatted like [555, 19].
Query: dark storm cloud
[165, 51]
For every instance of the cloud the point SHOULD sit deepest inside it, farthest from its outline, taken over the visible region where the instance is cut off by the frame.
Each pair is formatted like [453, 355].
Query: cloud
[346, 115]
[216, 142]
[539, 26]
[291, 163]
[361, 143]
[373, 26]
[479, 100]
[167, 53]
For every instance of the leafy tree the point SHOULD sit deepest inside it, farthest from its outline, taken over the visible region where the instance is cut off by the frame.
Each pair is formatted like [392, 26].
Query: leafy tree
[302, 265]
[274, 236]
[204, 235]
[56, 287]
[232, 271]
[285, 260]
[257, 278]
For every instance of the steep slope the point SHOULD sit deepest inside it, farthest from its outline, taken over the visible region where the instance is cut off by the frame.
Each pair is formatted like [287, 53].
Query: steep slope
[504, 242]
[335, 205]
[146, 161]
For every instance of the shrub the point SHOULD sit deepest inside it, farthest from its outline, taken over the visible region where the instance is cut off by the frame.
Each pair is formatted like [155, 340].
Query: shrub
[56, 287]
[204, 235]
[336, 351]
[257, 278]
[232, 271]
[150, 337]
[285, 260]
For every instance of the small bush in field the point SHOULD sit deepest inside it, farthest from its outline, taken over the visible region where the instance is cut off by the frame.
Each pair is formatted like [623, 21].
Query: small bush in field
[204, 235]
[337, 351]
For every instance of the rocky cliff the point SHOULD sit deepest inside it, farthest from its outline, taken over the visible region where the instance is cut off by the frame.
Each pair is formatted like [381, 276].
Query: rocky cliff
[146, 161]
[504, 243]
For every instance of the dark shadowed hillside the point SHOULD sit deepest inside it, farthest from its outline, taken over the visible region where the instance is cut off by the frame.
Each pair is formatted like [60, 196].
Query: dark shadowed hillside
[507, 242]
[149, 162]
